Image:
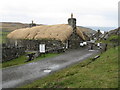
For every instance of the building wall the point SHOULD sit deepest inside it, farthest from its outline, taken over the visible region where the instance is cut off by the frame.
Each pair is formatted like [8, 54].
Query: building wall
[34, 44]
[74, 41]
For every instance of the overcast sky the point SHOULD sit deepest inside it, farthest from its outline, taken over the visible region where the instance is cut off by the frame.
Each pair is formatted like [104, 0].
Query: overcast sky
[87, 12]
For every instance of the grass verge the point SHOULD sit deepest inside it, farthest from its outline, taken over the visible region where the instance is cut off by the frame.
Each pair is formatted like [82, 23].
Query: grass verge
[102, 73]
[21, 60]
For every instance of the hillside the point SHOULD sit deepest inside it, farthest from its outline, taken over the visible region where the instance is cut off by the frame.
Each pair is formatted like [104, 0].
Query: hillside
[10, 26]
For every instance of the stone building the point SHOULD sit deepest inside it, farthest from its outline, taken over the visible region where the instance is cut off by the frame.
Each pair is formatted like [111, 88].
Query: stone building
[97, 35]
[53, 36]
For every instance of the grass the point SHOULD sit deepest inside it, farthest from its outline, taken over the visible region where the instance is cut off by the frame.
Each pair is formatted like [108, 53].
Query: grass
[115, 37]
[21, 60]
[102, 73]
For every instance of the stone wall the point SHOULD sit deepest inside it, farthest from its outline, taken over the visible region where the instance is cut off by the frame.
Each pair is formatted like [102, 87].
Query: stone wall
[11, 52]
[33, 45]
[74, 41]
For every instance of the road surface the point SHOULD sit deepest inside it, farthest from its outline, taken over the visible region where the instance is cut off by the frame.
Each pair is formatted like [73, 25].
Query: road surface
[17, 76]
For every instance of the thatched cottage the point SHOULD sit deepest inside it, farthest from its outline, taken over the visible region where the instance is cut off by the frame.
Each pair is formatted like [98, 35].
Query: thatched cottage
[53, 36]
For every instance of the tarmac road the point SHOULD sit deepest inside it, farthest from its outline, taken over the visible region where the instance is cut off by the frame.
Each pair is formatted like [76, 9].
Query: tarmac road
[17, 76]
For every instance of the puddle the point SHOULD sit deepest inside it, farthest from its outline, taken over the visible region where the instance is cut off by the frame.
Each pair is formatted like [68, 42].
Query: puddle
[54, 66]
[91, 50]
[47, 70]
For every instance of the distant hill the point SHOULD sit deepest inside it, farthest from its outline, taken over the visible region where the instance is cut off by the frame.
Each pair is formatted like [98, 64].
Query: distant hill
[114, 32]
[87, 31]
[10, 26]
[101, 28]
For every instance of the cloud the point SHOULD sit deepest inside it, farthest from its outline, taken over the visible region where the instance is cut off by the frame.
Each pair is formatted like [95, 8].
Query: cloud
[87, 12]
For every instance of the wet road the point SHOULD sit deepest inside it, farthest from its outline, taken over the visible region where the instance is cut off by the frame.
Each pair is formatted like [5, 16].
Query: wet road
[20, 75]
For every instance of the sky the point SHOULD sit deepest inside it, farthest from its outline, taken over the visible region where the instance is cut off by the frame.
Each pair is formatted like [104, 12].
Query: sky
[87, 12]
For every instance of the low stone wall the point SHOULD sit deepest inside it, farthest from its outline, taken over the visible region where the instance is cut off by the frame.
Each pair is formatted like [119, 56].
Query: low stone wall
[12, 52]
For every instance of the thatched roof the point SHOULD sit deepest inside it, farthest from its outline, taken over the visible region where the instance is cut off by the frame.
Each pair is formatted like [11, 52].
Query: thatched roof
[80, 33]
[58, 32]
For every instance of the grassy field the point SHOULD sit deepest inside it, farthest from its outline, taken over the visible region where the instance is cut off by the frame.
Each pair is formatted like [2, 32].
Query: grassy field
[102, 73]
[21, 60]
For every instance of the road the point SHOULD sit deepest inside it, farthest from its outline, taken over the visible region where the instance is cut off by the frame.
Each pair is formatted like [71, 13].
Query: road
[17, 76]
